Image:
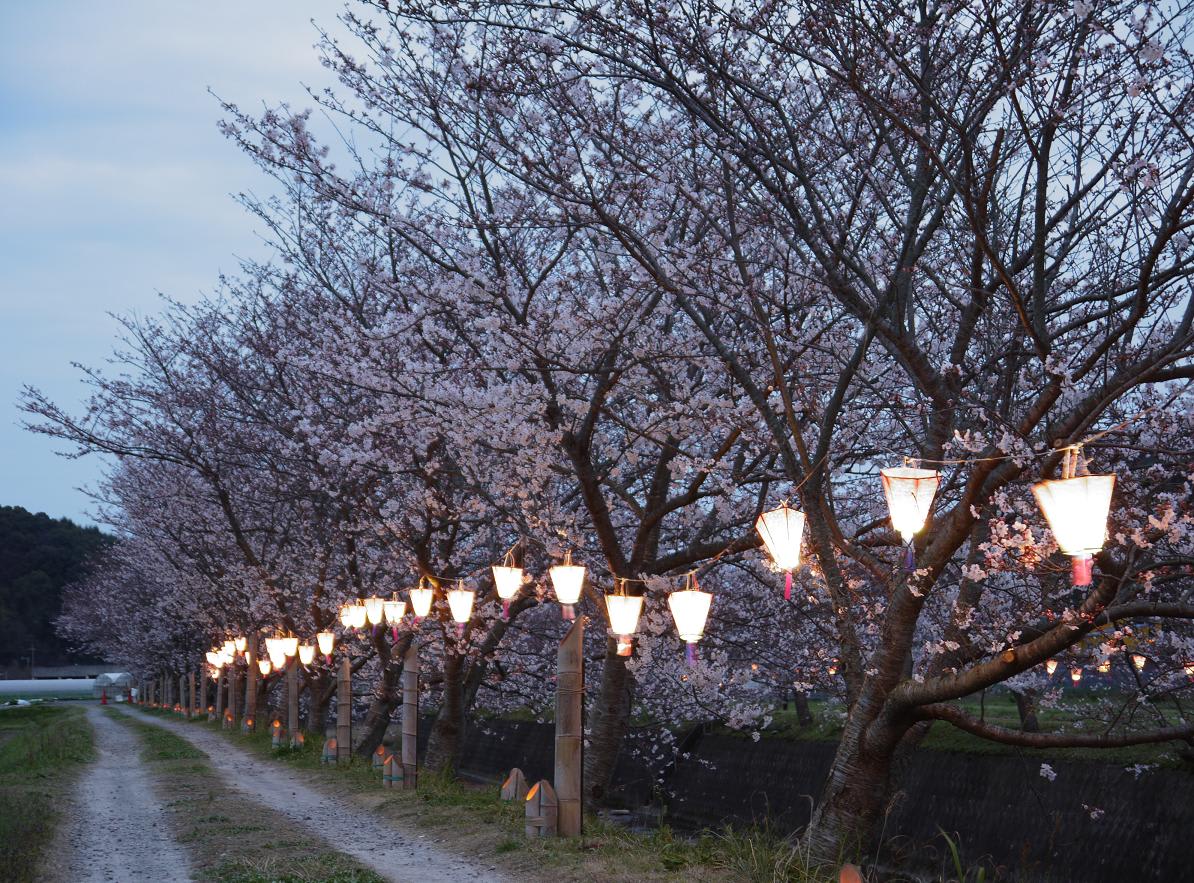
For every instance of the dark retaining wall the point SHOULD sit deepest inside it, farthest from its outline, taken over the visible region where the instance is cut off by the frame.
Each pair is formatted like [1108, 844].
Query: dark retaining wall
[1004, 812]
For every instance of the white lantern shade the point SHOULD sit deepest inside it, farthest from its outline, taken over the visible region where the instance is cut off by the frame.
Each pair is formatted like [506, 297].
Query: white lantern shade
[277, 655]
[1138, 661]
[345, 616]
[374, 610]
[326, 641]
[264, 666]
[910, 494]
[460, 601]
[782, 530]
[289, 645]
[508, 581]
[1076, 509]
[1104, 666]
[690, 610]
[1050, 666]
[394, 611]
[356, 616]
[568, 580]
[1075, 674]
[229, 648]
[241, 644]
[624, 611]
[306, 653]
[214, 659]
[420, 601]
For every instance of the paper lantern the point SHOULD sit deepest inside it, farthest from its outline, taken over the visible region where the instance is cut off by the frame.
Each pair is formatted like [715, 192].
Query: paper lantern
[420, 600]
[508, 581]
[1076, 507]
[460, 602]
[624, 612]
[345, 616]
[1189, 668]
[374, 610]
[306, 653]
[1076, 674]
[241, 644]
[276, 652]
[909, 492]
[356, 616]
[1051, 666]
[264, 666]
[394, 611]
[326, 641]
[690, 610]
[229, 648]
[781, 531]
[568, 580]
[1104, 666]
[289, 645]
[1138, 661]
[214, 659]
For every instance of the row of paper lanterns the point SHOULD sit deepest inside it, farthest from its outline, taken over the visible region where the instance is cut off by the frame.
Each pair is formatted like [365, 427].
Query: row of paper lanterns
[1075, 506]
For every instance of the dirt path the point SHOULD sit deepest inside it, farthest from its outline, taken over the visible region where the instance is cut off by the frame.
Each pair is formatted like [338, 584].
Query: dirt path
[394, 853]
[115, 829]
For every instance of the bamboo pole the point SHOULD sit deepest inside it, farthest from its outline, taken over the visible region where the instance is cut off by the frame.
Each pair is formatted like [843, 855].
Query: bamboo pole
[292, 703]
[220, 695]
[570, 730]
[191, 707]
[233, 704]
[344, 711]
[410, 717]
[182, 696]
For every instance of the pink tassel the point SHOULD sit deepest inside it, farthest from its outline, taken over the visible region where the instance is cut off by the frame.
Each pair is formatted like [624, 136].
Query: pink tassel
[909, 558]
[788, 586]
[460, 629]
[1083, 570]
[690, 654]
[394, 633]
[567, 612]
[505, 610]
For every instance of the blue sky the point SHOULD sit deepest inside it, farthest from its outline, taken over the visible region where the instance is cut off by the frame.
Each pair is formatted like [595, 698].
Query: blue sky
[115, 185]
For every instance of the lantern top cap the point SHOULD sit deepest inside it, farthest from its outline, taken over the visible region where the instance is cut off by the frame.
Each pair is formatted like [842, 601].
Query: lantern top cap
[914, 473]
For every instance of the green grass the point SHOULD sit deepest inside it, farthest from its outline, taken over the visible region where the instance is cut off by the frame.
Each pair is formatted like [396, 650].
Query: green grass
[41, 749]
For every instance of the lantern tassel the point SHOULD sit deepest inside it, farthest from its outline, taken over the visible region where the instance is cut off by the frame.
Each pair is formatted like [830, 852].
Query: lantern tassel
[1083, 567]
[690, 654]
[394, 634]
[625, 645]
[460, 629]
[909, 558]
[568, 612]
[505, 609]
[788, 586]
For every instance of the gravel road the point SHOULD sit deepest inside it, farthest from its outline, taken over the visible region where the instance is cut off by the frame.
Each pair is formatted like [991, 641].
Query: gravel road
[394, 853]
[116, 828]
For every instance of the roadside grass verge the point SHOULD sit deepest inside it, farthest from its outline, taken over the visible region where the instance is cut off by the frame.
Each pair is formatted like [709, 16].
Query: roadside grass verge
[231, 839]
[41, 750]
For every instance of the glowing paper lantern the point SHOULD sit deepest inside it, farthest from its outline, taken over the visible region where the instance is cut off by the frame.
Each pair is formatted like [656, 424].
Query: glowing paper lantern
[1138, 661]
[326, 641]
[277, 655]
[1076, 507]
[420, 600]
[241, 644]
[345, 616]
[781, 531]
[1051, 666]
[460, 602]
[214, 659]
[289, 645]
[568, 580]
[909, 492]
[394, 610]
[229, 648]
[374, 610]
[1075, 674]
[1104, 666]
[264, 666]
[624, 611]
[306, 653]
[508, 580]
[1189, 667]
[356, 616]
[690, 610]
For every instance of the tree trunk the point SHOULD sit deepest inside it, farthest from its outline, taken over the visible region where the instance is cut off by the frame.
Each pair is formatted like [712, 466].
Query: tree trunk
[804, 714]
[443, 746]
[611, 721]
[386, 698]
[1026, 705]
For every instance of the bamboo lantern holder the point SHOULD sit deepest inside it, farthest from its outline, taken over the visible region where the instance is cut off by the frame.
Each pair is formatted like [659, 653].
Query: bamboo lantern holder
[344, 711]
[292, 704]
[515, 786]
[570, 728]
[542, 810]
[229, 723]
[410, 717]
[277, 733]
[329, 751]
[219, 695]
[250, 689]
[180, 706]
[192, 708]
[233, 705]
[391, 772]
[380, 756]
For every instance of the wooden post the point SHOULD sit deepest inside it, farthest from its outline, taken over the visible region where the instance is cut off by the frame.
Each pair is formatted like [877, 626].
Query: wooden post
[410, 717]
[570, 729]
[344, 711]
[233, 705]
[192, 708]
[220, 695]
[292, 703]
[251, 688]
[542, 810]
[182, 697]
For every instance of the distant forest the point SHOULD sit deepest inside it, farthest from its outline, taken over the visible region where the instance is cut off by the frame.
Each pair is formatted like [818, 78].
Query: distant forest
[38, 556]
